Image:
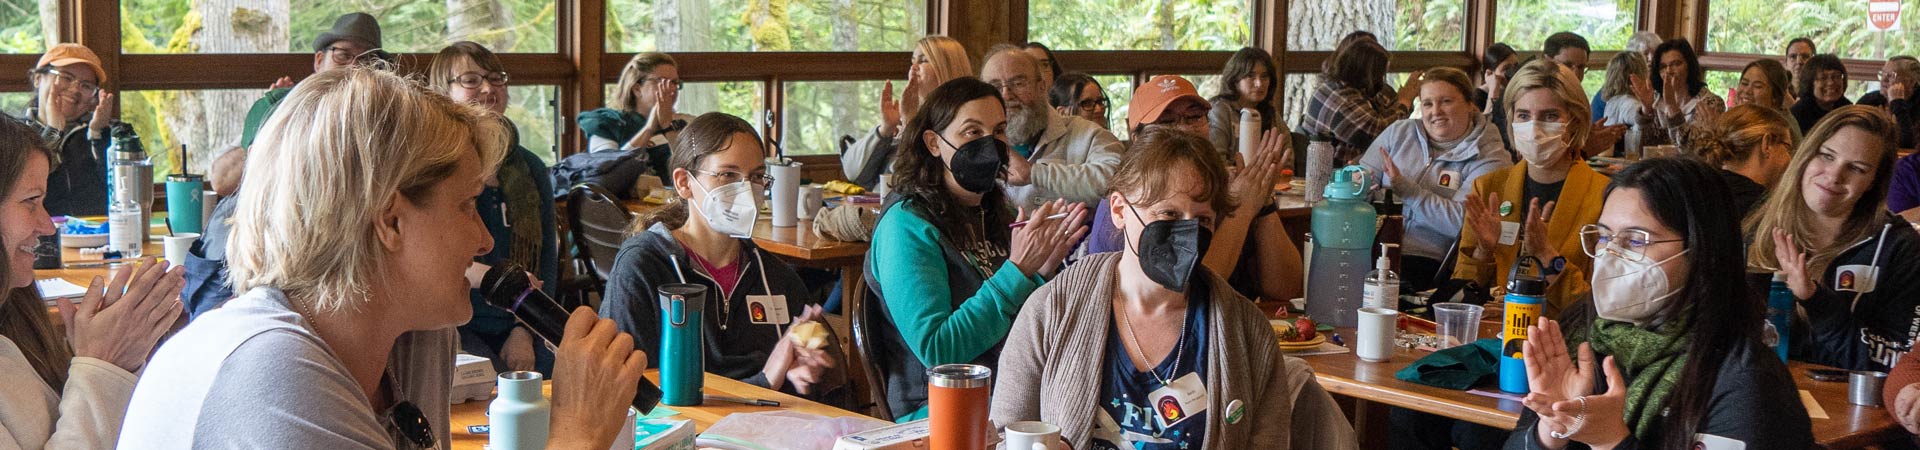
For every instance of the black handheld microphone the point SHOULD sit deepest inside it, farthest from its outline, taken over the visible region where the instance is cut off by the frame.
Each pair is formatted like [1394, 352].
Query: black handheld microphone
[506, 287]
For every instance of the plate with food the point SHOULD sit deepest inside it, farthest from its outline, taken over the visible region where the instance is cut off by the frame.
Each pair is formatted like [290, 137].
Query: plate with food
[1298, 334]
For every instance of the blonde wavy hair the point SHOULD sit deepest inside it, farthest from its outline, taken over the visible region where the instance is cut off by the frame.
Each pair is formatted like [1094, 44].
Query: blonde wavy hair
[1542, 73]
[1785, 207]
[327, 163]
[949, 59]
[632, 74]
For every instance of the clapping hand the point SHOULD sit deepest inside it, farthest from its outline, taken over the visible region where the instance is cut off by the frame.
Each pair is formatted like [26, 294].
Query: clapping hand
[1044, 242]
[1793, 262]
[890, 116]
[1252, 183]
[121, 322]
[1484, 221]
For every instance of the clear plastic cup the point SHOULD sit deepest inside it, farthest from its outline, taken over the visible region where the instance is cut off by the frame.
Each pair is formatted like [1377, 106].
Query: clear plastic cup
[1459, 323]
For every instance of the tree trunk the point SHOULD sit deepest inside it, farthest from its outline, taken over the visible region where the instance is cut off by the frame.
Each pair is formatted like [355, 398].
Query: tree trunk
[1164, 21]
[209, 122]
[50, 22]
[767, 23]
[685, 26]
[482, 21]
[1319, 25]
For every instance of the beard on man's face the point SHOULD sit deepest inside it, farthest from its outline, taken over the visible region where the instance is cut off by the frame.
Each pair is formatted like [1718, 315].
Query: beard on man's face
[1025, 120]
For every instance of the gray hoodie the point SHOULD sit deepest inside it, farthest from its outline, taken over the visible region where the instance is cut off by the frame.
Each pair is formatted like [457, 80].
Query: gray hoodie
[1437, 185]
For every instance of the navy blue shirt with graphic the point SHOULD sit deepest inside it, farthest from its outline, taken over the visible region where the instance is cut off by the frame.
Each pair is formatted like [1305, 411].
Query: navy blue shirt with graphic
[1128, 419]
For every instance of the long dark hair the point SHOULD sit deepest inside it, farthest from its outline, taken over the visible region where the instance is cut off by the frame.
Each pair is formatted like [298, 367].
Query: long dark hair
[704, 136]
[1361, 65]
[921, 176]
[1687, 196]
[1240, 67]
[1823, 62]
[1496, 53]
[1696, 76]
[23, 314]
[1066, 90]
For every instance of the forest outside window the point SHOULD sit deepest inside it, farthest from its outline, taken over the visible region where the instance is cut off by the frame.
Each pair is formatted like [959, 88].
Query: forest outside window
[743, 99]
[1140, 24]
[1402, 25]
[819, 113]
[282, 26]
[1763, 27]
[22, 30]
[1525, 24]
[764, 25]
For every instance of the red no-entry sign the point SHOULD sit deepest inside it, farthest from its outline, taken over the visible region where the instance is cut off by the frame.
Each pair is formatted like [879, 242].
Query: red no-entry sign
[1882, 15]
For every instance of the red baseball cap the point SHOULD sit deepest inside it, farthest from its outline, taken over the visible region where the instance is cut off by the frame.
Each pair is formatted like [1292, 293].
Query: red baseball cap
[1152, 98]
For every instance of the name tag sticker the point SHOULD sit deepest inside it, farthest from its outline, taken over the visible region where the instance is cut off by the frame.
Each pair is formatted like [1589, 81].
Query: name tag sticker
[768, 310]
[1450, 179]
[1856, 278]
[1509, 232]
[1177, 401]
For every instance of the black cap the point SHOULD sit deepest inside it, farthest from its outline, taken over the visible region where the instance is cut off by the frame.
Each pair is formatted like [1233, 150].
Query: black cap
[356, 26]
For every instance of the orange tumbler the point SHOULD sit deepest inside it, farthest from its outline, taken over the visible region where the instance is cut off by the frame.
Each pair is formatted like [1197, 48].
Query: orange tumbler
[958, 400]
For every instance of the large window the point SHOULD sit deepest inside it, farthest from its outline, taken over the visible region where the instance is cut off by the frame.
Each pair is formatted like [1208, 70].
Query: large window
[1525, 24]
[1763, 27]
[407, 26]
[1119, 92]
[21, 28]
[1140, 25]
[14, 103]
[764, 25]
[206, 122]
[533, 111]
[819, 113]
[1318, 25]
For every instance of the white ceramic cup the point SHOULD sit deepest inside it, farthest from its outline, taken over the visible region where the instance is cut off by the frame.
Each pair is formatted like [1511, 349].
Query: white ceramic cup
[1032, 435]
[1374, 342]
[175, 246]
[624, 439]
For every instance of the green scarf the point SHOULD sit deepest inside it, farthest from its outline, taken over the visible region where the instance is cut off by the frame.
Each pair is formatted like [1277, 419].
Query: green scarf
[1650, 360]
[611, 124]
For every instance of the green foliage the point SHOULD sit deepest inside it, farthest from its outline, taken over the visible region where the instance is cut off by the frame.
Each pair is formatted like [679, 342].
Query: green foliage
[20, 27]
[880, 25]
[1763, 27]
[1431, 25]
[1140, 24]
[1525, 24]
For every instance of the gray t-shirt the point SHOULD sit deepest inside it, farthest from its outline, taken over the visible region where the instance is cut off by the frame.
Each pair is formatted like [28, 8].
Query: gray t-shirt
[252, 375]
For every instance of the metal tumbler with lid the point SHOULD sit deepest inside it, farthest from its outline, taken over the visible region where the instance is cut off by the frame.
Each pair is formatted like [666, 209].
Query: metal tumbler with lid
[682, 352]
[958, 400]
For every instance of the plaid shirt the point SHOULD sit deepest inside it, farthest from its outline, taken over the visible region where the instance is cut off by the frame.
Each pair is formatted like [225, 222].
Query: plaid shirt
[1353, 119]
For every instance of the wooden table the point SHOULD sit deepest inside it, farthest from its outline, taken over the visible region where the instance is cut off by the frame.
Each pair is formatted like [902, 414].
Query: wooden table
[1374, 387]
[475, 412]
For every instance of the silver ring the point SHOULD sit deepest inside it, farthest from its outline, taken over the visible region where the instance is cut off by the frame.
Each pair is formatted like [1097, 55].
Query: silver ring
[1579, 421]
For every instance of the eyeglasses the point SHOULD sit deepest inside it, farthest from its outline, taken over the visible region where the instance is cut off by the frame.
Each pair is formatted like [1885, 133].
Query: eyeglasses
[1101, 103]
[760, 180]
[675, 84]
[343, 55]
[1630, 244]
[1019, 83]
[1169, 119]
[62, 78]
[471, 80]
[1831, 76]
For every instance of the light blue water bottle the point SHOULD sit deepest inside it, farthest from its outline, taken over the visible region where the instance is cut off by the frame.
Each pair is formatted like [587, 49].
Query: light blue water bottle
[682, 347]
[519, 417]
[1780, 312]
[1343, 232]
[1526, 297]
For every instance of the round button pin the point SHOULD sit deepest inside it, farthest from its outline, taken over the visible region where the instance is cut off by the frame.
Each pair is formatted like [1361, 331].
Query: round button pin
[1506, 208]
[1235, 411]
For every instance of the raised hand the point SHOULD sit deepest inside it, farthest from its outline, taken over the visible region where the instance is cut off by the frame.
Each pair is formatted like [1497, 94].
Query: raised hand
[1483, 220]
[911, 93]
[1643, 91]
[1793, 262]
[1040, 245]
[1553, 376]
[103, 112]
[595, 372]
[1252, 184]
[121, 321]
[283, 82]
[1537, 243]
[890, 116]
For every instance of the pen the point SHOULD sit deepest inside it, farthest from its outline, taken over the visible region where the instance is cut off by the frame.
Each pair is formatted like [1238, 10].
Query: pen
[743, 401]
[1025, 222]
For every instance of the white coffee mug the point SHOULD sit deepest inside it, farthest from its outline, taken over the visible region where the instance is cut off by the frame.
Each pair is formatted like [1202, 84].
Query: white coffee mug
[1032, 435]
[1376, 332]
[175, 246]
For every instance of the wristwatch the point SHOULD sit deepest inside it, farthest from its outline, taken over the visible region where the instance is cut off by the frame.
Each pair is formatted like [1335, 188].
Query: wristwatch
[1554, 267]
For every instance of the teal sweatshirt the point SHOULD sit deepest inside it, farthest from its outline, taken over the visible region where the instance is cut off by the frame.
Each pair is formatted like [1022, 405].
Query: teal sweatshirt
[915, 287]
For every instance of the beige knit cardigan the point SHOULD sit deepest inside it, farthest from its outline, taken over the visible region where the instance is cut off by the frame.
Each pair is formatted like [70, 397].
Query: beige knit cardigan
[1051, 368]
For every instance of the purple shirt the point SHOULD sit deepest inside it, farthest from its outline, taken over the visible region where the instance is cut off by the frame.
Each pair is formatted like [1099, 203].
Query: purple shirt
[1904, 194]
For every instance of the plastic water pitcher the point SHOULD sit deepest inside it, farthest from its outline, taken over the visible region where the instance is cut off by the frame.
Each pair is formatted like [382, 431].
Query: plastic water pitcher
[519, 418]
[1780, 312]
[682, 353]
[1526, 298]
[1343, 231]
